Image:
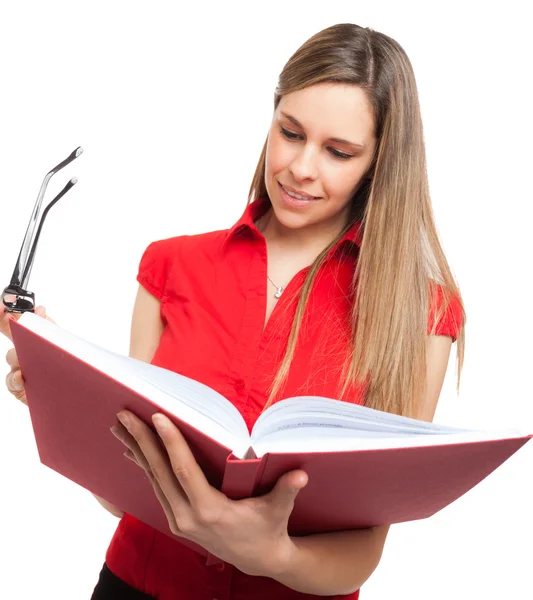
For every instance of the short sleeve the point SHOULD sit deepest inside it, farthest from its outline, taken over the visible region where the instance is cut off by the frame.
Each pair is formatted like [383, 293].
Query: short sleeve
[451, 321]
[154, 267]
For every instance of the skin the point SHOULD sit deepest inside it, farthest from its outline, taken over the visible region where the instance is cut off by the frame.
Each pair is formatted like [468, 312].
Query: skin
[252, 533]
[303, 157]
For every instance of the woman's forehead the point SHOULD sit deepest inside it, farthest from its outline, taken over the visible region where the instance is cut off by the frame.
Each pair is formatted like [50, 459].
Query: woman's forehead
[330, 109]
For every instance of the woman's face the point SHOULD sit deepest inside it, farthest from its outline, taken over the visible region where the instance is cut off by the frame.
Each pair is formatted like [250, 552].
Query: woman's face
[320, 144]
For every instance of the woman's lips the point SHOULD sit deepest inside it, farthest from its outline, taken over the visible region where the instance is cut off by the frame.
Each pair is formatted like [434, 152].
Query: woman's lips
[293, 202]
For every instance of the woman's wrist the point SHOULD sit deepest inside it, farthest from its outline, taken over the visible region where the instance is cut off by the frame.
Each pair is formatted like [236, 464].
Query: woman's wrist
[282, 560]
[273, 561]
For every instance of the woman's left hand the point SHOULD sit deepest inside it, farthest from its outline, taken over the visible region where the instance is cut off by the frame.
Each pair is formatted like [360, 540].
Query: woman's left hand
[250, 534]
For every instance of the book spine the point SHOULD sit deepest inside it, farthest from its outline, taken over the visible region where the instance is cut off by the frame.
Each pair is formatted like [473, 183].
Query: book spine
[241, 477]
[240, 480]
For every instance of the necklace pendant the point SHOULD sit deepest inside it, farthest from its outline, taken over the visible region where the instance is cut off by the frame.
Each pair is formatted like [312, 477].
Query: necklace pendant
[279, 292]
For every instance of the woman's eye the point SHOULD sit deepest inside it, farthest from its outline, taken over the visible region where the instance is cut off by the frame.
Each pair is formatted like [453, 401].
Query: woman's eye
[339, 154]
[290, 134]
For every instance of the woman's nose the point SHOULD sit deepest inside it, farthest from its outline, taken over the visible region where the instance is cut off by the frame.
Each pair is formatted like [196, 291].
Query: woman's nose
[305, 165]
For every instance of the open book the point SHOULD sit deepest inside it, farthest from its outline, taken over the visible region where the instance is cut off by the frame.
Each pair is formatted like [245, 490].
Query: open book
[365, 467]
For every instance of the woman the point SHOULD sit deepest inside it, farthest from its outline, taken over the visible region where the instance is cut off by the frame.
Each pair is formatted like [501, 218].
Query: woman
[332, 283]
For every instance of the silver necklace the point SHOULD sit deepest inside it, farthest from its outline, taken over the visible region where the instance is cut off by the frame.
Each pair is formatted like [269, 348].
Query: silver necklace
[278, 288]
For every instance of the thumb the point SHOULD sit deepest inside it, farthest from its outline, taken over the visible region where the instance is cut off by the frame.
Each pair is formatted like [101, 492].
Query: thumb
[287, 488]
[41, 312]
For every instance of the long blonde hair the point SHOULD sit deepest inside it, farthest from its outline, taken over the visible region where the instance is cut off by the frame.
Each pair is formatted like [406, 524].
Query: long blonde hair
[400, 258]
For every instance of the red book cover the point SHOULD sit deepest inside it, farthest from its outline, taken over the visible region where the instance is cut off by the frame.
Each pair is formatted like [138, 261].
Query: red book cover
[73, 405]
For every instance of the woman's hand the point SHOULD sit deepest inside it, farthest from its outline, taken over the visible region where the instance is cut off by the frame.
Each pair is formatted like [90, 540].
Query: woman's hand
[250, 534]
[14, 379]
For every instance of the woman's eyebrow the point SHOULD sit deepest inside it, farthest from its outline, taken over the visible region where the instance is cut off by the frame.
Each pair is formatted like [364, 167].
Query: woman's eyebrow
[338, 140]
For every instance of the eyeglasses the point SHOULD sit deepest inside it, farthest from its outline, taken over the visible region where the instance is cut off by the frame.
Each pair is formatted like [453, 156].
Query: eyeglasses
[16, 298]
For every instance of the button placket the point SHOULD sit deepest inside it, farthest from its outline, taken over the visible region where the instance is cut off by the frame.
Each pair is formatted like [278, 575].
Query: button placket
[219, 581]
[247, 343]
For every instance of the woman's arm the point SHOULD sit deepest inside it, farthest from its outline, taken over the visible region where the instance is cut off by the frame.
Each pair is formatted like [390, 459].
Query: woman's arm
[334, 563]
[146, 326]
[437, 356]
[339, 563]
[252, 533]
[146, 330]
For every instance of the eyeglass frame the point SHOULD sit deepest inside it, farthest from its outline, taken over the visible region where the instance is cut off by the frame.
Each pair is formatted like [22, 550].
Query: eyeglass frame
[24, 299]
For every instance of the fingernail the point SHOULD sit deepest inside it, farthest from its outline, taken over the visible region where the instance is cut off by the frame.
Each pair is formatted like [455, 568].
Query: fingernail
[17, 385]
[115, 431]
[125, 420]
[129, 454]
[160, 422]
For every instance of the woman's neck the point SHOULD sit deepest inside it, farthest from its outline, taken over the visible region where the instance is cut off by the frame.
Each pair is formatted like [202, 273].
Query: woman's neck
[311, 239]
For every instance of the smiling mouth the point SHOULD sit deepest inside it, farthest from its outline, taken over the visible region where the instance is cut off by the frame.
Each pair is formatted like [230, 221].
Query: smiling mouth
[297, 196]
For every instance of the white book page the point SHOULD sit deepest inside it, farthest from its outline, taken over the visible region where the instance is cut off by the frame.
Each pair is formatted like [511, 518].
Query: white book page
[328, 439]
[313, 410]
[310, 423]
[302, 424]
[192, 401]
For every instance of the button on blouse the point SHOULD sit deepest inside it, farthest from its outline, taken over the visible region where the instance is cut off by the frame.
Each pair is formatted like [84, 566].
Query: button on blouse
[213, 290]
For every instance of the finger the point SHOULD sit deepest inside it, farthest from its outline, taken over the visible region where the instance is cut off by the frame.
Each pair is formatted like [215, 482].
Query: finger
[129, 455]
[150, 450]
[159, 494]
[6, 317]
[167, 507]
[12, 359]
[287, 487]
[121, 433]
[14, 381]
[15, 385]
[5, 327]
[188, 472]
[41, 312]
[171, 497]
[135, 454]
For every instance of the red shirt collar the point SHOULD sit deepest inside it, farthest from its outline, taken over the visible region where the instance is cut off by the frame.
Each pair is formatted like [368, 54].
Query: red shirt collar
[258, 208]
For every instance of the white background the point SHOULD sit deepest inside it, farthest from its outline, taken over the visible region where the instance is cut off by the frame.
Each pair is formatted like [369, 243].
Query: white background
[172, 106]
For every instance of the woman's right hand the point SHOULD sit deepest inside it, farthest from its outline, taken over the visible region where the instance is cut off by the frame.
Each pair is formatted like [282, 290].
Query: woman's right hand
[14, 379]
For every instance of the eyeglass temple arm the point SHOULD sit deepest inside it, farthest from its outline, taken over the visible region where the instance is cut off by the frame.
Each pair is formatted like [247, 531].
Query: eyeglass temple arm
[31, 256]
[27, 251]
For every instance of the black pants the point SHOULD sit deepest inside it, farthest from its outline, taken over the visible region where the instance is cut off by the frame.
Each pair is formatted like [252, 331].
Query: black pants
[110, 587]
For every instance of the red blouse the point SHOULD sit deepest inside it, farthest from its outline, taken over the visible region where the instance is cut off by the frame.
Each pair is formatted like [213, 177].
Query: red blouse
[213, 289]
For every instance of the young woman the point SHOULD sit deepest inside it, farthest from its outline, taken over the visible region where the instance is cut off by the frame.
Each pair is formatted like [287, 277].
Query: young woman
[332, 283]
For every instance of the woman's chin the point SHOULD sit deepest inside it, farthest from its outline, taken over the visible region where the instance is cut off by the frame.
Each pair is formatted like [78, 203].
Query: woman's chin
[290, 220]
